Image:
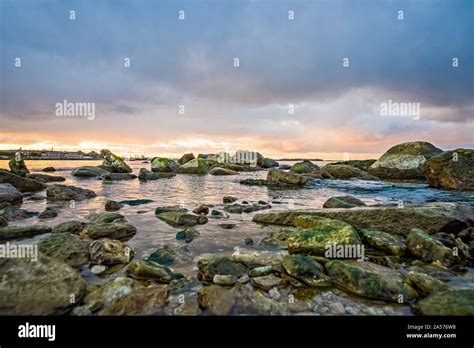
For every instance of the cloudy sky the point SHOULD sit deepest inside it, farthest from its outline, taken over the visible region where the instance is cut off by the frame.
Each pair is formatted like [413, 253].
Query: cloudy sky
[282, 63]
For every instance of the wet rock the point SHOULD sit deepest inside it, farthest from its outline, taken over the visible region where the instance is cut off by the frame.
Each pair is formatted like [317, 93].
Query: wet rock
[10, 195]
[267, 306]
[248, 241]
[19, 232]
[196, 166]
[222, 171]
[48, 213]
[256, 182]
[452, 170]
[164, 165]
[404, 161]
[305, 167]
[89, 172]
[177, 218]
[280, 177]
[18, 167]
[279, 237]
[429, 249]
[285, 166]
[369, 280]
[109, 252]
[66, 247]
[20, 183]
[455, 302]
[224, 279]
[360, 164]
[109, 293]
[98, 269]
[384, 242]
[164, 255]
[112, 205]
[227, 226]
[343, 202]
[306, 270]
[57, 192]
[217, 300]
[114, 162]
[145, 175]
[268, 163]
[49, 169]
[43, 287]
[45, 178]
[216, 214]
[240, 167]
[261, 271]
[234, 208]
[202, 209]
[166, 209]
[424, 284]
[148, 270]
[135, 202]
[344, 172]
[186, 158]
[219, 265]
[190, 307]
[118, 176]
[188, 234]
[105, 217]
[113, 230]
[3, 221]
[13, 213]
[266, 282]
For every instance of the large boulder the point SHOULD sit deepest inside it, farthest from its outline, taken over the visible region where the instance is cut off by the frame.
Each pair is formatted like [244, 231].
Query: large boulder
[44, 287]
[305, 269]
[453, 170]
[145, 175]
[20, 183]
[178, 218]
[114, 230]
[186, 158]
[74, 227]
[194, 166]
[66, 247]
[18, 167]
[304, 167]
[9, 194]
[118, 176]
[44, 178]
[109, 252]
[280, 177]
[114, 162]
[343, 172]
[343, 202]
[404, 161]
[164, 165]
[217, 300]
[19, 232]
[89, 172]
[360, 164]
[269, 163]
[385, 242]
[59, 192]
[454, 302]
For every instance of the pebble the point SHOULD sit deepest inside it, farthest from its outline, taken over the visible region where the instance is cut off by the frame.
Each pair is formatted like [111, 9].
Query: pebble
[244, 279]
[337, 308]
[98, 269]
[274, 293]
[260, 271]
[224, 279]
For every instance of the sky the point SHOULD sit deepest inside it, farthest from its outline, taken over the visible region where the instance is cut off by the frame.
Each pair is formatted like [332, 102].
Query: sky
[291, 94]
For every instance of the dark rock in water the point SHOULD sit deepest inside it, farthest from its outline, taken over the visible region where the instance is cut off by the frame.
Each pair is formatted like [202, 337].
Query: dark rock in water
[164, 255]
[229, 199]
[74, 227]
[146, 175]
[370, 280]
[135, 202]
[48, 213]
[234, 208]
[9, 194]
[254, 182]
[188, 234]
[3, 221]
[89, 172]
[285, 166]
[217, 300]
[13, 213]
[217, 214]
[165, 209]
[404, 161]
[19, 232]
[452, 170]
[66, 247]
[20, 183]
[196, 166]
[306, 270]
[255, 207]
[360, 164]
[148, 270]
[45, 178]
[18, 167]
[164, 165]
[248, 241]
[186, 158]
[276, 176]
[202, 209]
[222, 171]
[44, 287]
[454, 302]
[106, 217]
[423, 246]
[266, 282]
[269, 163]
[305, 167]
[385, 242]
[227, 226]
[113, 230]
[112, 205]
[209, 266]
[343, 202]
[57, 192]
[343, 172]
[177, 218]
[114, 162]
[118, 176]
[109, 252]
[49, 169]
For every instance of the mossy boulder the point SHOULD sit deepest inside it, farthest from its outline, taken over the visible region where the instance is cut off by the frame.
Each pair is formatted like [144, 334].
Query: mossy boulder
[109, 252]
[343, 202]
[424, 284]
[20, 232]
[196, 166]
[115, 230]
[178, 218]
[164, 165]
[454, 302]
[280, 177]
[209, 266]
[304, 167]
[188, 234]
[186, 158]
[385, 242]
[360, 164]
[148, 270]
[164, 255]
[114, 162]
[10, 195]
[18, 167]
[343, 172]
[306, 270]
[66, 247]
[279, 236]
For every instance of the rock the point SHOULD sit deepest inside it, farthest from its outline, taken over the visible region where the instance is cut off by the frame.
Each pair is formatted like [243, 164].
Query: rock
[112, 205]
[57, 192]
[455, 302]
[202, 209]
[244, 279]
[148, 270]
[175, 208]
[227, 226]
[109, 252]
[229, 199]
[266, 282]
[305, 167]
[337, 308]
[48, 213]
[216, 299]
[164, 165]
[383, 241]
[360, 164]
[285, 166]
[3, 221]
[317, 233]
[428, 249]
[66, 247]
[248, 241]
[177, 218]
[13, 213]
[257, 182]
[44, 287]
[49, 169]
[20, 232]
[222, 171]
[109, 293]
[261, 271]
[306, 270]
[190, 307]
[280, 177]
[369, 280]
[45, 178]
[344, 172]
[424, 284]
[435, 217]
[89, 172]
[106, 217]
[269, 163]
[239, 167]
[224, 279]
[279, 237]
[20, 183]
[9, 194]
[141, 301]
[234, 209]
[404, 161]
[145, 175]
[343, 202]
[216, 214]
[267, 306]
[164, 255]
[186, 158]
[98, 269]
[118, 176]
[114, 162]
[188, 234]
[452, 170]
[135, 202]
[18, 167]
[219, 265]
[196, 166]
[113, 230]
